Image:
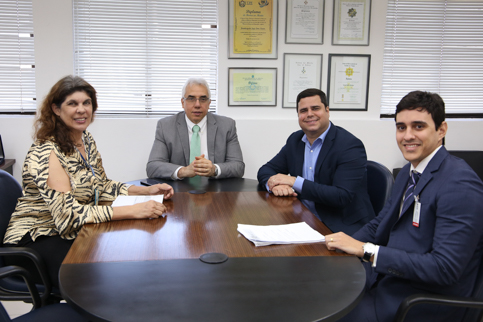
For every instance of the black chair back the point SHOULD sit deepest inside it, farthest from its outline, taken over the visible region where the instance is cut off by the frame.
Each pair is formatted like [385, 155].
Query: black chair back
[379, 184]
[473, 158]
[476, 314]
[10, 191]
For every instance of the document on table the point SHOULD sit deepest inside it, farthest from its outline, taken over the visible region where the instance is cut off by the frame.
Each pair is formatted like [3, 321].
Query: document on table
[298, 233]
[132, 200]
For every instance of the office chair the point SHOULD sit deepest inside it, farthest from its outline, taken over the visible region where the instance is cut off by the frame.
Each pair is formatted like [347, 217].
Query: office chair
[379, 184]
[474, 304]
[13, 288]
[58, 312]
[473, 158]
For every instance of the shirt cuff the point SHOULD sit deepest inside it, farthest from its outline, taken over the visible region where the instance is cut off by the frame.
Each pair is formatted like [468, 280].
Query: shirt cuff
[174, 176]
[299, 183]
[376, 252]
[219, 171]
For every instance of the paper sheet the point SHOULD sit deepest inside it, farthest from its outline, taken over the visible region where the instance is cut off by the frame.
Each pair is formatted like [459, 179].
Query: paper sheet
[298, 233]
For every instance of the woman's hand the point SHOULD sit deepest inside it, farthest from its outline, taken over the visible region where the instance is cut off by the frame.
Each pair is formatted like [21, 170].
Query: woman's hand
[161, 189]
[149, 209]
[144, 210]
[157, 189]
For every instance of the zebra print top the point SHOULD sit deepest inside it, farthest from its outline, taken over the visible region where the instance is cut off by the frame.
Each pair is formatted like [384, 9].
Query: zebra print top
[42, 211]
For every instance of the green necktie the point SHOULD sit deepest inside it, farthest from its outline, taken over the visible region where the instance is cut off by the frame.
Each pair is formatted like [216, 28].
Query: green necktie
[195, 148]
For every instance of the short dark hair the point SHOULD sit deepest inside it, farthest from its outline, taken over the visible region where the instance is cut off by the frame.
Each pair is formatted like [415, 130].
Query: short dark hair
[423, 101]
[311, 92]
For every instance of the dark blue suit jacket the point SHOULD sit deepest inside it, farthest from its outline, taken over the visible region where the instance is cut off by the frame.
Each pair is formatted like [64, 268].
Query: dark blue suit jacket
[442, 255]
[339, 189]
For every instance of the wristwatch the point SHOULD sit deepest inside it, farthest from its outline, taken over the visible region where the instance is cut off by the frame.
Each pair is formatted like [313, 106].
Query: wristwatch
[216, 171]
[369, 250]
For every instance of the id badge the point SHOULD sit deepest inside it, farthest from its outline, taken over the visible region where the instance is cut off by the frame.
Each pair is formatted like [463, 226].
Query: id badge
[416, 212]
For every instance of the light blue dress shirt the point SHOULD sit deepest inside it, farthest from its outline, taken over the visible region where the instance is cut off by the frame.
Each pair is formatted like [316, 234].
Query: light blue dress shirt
[311, 155]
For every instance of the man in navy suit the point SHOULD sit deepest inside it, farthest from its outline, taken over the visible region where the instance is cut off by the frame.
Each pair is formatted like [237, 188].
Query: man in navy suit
[324, 165]
[431, 243]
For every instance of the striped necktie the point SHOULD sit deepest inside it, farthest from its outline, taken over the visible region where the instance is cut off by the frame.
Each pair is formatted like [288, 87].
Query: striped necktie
[408, 196]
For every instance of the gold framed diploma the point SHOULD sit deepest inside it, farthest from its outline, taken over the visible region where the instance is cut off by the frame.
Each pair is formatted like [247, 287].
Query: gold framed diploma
[348, 82]
[351, 22]
[252, 31]
[301, 71]
[305, 22]
[252, 87]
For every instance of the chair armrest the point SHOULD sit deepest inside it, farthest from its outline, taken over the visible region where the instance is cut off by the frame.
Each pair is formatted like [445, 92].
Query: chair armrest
[8, 271]
[416, 299]
[39, 264]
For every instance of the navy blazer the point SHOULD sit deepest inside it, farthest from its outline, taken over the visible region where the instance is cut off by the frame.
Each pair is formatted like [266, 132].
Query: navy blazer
[339, 189]
[440, 256]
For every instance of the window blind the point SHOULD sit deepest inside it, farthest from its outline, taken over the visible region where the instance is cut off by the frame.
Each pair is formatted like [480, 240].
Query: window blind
[436, 46]
[17, 58]
[139, 53]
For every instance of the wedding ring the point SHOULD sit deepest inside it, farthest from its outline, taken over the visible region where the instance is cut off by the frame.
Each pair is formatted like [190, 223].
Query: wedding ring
[332, 239]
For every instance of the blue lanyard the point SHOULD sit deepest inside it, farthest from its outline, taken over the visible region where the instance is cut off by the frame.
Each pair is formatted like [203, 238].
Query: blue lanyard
[96, 191]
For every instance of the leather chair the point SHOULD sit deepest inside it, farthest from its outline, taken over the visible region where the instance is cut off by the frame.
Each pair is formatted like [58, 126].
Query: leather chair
[58, 312]
[473, 158]
[13, 288]
[379, 184]
[474, 304]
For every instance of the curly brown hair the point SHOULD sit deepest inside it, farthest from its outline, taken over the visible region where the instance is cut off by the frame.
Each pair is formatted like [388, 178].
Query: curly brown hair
[49, 126]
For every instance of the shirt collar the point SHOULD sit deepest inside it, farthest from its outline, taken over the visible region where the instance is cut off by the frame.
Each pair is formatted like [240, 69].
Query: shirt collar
[190, 124]
[423, 164]
[321, 137]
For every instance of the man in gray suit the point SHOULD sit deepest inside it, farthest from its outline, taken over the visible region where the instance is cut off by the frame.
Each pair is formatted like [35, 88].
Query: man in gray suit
[221, 155]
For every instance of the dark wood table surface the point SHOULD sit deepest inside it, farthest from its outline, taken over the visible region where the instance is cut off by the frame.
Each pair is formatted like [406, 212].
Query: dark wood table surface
[148, 270]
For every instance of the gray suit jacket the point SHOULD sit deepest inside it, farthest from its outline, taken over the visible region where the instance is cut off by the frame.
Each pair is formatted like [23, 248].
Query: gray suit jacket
[171, 148]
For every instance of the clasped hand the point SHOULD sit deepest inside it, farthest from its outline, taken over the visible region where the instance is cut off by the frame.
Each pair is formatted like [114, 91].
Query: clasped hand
[281, 185]
[199, 167]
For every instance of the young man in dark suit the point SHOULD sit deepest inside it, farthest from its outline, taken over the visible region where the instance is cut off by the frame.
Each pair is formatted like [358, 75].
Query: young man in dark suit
[428, 236]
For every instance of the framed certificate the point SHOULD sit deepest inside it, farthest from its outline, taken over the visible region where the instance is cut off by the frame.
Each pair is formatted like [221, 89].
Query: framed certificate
[351, 22]
[348, 82]
[252, 87]
[301, 71]
[252, 30]
[305, 22]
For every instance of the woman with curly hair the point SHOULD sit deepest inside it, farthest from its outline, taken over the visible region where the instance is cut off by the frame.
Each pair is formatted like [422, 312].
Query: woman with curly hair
[64, 183]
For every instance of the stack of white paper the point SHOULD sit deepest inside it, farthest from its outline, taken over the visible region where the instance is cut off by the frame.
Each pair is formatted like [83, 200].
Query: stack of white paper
[298, 233]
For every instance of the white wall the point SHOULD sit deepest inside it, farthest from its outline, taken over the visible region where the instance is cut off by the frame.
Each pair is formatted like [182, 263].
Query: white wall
[125, 142]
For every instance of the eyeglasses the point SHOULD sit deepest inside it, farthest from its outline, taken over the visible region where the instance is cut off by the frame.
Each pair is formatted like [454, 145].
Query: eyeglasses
[192, 99]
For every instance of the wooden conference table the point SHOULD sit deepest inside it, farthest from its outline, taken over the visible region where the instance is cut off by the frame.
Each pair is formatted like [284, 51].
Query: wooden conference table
[149, 270]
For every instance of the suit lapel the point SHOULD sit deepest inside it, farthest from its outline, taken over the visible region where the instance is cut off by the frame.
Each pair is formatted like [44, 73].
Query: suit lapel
[326, 147]
[299, 157]
[211, 134]
[182, 129]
